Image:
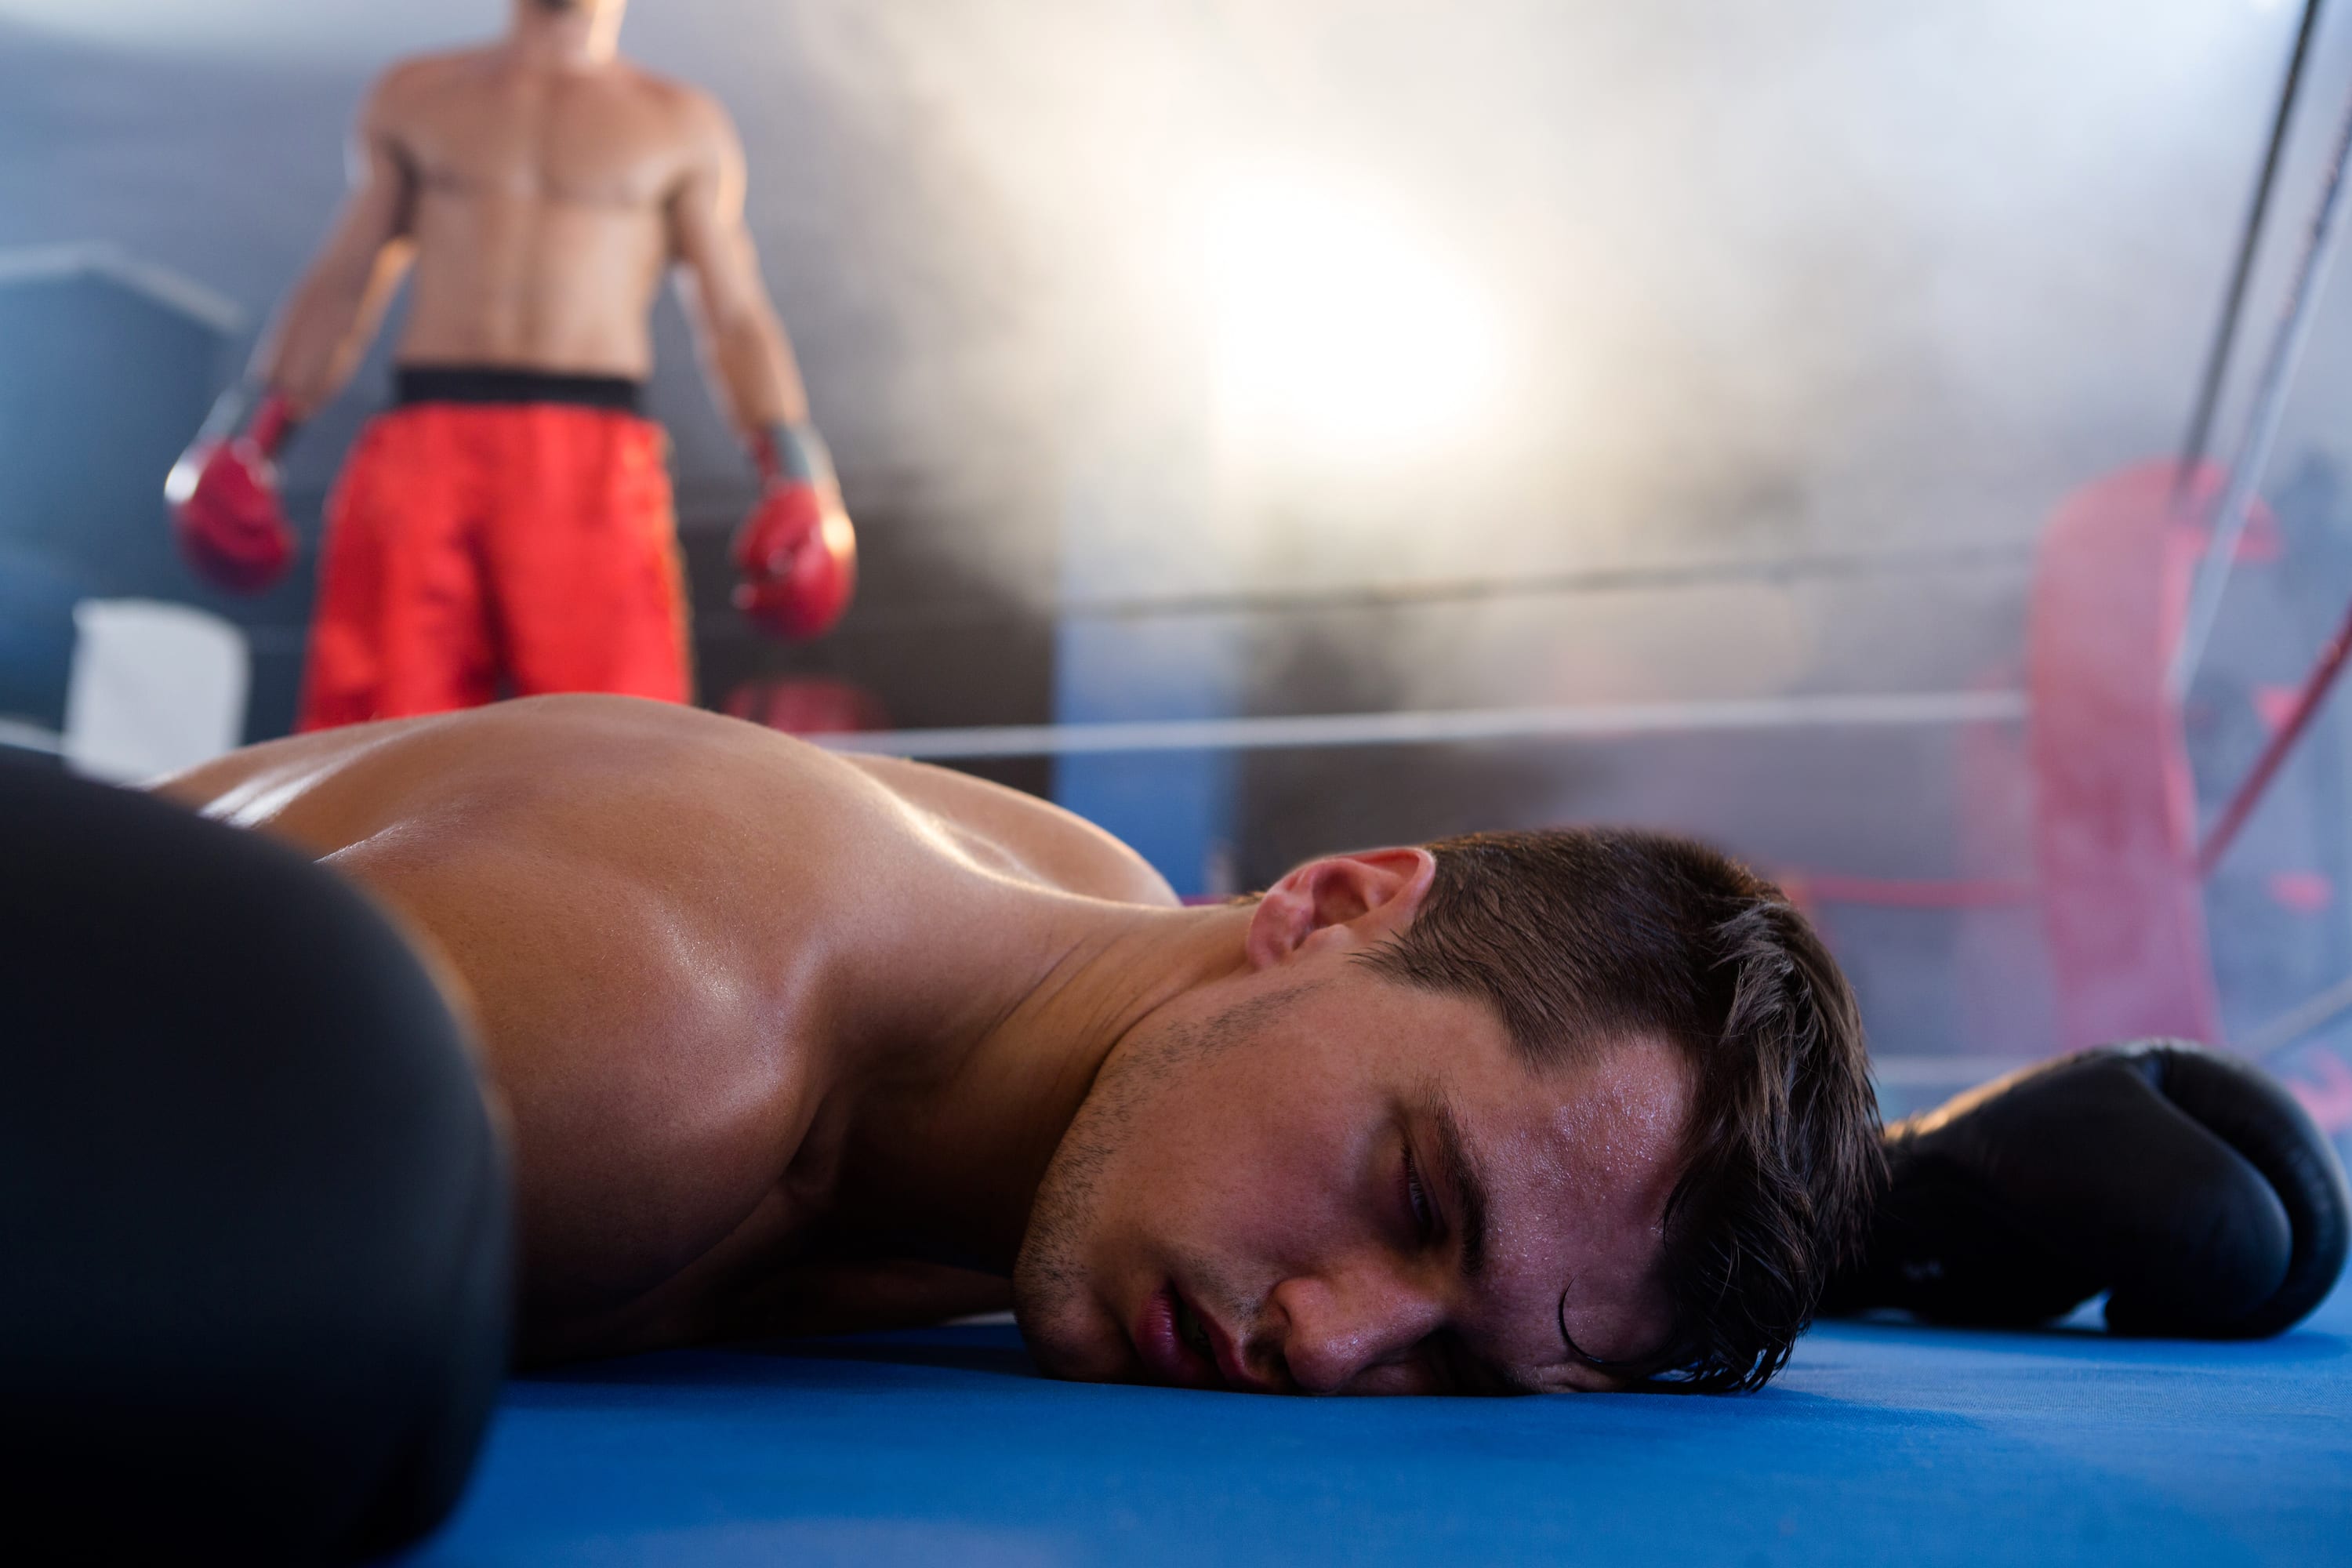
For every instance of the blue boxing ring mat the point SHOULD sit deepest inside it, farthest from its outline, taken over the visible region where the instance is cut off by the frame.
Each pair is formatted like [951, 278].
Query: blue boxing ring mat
[1883, 1443]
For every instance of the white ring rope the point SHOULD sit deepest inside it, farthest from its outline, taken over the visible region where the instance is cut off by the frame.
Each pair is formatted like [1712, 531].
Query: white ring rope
[1420, 593]
[2304, 1018]
[1864, 709]
[25, 736]
[2263, 417]
[1944, 1072]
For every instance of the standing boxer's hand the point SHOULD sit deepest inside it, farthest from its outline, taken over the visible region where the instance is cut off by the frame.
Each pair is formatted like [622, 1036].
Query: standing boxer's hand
[797, 552]
[223, 496]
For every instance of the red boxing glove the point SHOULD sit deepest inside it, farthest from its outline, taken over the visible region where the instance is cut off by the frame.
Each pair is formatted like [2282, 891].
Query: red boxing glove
[797, 552]
[223, 494]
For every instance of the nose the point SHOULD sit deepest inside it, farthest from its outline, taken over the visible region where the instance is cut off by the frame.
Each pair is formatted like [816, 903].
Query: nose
[1341, 1325]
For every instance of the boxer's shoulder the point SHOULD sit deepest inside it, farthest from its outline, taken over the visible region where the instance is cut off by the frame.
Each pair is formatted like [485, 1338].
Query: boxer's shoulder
[647, 783]
[414, 83]
[648, 927]
[1007, 832]
[690, 124]
[414, 98]
[680, 784]
[480, 94]
[691, 104]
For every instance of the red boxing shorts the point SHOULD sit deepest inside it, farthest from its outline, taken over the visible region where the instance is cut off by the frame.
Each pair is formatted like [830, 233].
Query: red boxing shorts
[498, 534]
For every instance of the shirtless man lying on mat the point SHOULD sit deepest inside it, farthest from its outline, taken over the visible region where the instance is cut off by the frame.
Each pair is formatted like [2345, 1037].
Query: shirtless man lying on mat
[787, 1041]
[796, 1041]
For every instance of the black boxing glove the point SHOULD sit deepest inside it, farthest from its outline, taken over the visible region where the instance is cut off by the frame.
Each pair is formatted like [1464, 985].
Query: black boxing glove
[2188, 1185]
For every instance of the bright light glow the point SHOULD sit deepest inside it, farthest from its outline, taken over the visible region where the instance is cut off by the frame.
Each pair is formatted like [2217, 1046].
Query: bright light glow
[1340, 331]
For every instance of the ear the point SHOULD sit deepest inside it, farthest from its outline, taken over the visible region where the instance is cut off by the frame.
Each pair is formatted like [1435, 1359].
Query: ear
[1348, 900]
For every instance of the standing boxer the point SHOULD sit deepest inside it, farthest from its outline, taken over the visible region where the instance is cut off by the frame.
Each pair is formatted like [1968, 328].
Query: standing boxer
[511, 517]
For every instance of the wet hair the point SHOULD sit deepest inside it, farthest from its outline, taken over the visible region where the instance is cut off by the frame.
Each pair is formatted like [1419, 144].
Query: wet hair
[1582, 937]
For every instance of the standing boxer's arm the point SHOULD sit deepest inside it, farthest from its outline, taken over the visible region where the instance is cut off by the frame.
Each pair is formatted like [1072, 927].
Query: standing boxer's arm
[334, 312]
[797, 552]
[748, 358]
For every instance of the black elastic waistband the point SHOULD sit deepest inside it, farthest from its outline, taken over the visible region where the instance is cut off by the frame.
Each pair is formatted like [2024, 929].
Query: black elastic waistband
[487, 383]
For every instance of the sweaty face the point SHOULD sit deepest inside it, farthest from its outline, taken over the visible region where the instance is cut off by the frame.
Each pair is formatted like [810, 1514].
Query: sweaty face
[1317, 1180]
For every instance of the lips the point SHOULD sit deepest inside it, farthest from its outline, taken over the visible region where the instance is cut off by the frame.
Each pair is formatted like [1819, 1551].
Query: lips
[1170, 1354]
[1182, 1345]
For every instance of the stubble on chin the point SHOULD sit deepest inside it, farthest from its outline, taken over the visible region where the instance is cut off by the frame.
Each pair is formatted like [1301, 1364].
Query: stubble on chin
[1052, 1286]
[1051, 1301]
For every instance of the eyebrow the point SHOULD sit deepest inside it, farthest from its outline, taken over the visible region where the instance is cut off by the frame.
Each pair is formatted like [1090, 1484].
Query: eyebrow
[1469, 1184]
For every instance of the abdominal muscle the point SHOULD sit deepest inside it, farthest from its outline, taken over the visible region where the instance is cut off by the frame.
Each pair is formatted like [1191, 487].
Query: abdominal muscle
[534, 282]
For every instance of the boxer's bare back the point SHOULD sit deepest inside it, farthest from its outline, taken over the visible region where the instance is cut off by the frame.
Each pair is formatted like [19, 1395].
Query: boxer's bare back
[682, 937]
[535, 192]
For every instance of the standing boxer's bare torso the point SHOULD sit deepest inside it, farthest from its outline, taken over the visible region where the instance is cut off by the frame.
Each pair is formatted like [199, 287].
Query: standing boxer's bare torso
[539, 206]
[712, 970]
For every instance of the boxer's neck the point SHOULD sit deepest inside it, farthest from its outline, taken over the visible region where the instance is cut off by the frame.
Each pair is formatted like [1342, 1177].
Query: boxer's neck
[564, 37]
[945, 1155]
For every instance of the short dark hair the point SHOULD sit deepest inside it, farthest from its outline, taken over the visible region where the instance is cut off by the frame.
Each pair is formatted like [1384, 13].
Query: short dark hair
[1583, 936]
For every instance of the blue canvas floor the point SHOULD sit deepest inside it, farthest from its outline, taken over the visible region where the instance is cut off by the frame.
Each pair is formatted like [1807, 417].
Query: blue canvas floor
[1882, 1445]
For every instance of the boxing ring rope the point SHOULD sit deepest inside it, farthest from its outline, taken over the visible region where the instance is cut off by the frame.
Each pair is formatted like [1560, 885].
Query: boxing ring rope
[2304, 1018]
[1907, 892]
[1406, 593]
[1941, 1071]
[2316, 688]
[22, 735]
[2233, 297]
[1801, 566]
[1307, 731]
[2263, 418]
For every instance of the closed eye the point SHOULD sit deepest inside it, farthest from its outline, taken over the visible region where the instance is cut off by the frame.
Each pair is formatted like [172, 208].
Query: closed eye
[1417, 1202]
